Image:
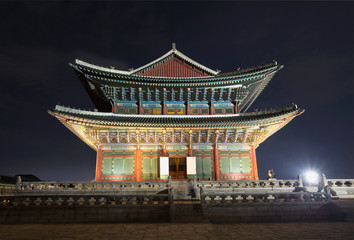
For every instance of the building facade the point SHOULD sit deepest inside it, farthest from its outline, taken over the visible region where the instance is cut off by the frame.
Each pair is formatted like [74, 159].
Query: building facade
[174, 117]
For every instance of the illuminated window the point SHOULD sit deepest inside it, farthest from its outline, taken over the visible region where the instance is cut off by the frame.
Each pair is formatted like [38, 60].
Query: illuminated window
[170, 111]
[218, 110]
[194, 110]
[146, 111]
[157, 110]
[180, 110]
[229, 110]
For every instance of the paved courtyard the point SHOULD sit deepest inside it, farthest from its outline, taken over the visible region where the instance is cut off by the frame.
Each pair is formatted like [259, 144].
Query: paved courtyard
[310, 230]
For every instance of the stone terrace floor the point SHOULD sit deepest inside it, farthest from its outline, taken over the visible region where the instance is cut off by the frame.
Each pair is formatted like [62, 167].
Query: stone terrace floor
[155, 231]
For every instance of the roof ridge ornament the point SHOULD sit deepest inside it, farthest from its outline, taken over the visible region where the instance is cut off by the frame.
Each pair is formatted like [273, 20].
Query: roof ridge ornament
[174, 46]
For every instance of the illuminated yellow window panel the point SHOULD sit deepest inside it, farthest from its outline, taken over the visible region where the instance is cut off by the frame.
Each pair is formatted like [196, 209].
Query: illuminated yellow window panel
[180, 110]
[157, 110]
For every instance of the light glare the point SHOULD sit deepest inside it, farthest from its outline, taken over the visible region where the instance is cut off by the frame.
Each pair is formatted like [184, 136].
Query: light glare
[311, 176]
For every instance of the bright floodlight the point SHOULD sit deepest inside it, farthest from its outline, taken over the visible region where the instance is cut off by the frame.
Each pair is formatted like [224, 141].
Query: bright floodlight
[311, 177]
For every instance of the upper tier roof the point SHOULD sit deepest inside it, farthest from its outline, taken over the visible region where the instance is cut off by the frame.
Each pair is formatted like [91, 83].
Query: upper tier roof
[173, 67]
[173, 71]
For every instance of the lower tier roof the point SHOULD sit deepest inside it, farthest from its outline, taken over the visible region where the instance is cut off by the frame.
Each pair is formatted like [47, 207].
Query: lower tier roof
[98, 128]
[176, 121]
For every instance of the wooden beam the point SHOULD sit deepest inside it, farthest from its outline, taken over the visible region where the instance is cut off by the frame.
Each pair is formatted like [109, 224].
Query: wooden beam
[208, 136]
[225, 139]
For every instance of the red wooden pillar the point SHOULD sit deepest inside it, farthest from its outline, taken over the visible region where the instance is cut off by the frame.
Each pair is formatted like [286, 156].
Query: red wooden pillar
[254, 163]
[114, 107]
[140, 109]
[236, 107]
[189, 151]
[138, 168]
[188, 109]
[164, 111]
[211, 109]
[98, 166]
[216, 163]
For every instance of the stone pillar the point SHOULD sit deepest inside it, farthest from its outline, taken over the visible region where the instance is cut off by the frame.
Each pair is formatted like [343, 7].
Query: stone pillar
[98, 166]
[138, 168]
[299, 178]
[216, 163]
[323, 180]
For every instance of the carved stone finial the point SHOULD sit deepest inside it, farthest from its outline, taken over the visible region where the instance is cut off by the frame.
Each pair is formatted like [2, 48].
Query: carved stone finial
[174, 46]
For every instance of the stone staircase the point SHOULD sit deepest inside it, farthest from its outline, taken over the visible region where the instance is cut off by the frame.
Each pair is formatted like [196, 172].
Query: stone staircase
[189, 212]
[187, 209]
[181, 190]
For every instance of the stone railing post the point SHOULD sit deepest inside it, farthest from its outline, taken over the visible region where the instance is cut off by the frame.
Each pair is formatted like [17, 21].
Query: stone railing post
[324, 180]
[299, 177]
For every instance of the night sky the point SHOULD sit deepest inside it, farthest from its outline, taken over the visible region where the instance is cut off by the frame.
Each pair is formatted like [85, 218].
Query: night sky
[313, 40]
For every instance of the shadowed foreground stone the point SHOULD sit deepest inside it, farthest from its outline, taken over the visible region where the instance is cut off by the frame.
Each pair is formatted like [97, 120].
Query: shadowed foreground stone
[317, 230]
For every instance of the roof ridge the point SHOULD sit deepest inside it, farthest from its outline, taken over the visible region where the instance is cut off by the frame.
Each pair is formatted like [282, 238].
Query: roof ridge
[179, 54]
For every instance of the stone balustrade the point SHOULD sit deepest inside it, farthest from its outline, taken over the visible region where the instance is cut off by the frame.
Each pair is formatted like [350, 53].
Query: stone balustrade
[339, 182]
[78, 200]
[23, 188]
[248, 184]
[248, 197]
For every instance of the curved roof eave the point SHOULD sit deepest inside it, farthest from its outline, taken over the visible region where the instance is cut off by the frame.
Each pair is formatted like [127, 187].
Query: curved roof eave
[166, 121]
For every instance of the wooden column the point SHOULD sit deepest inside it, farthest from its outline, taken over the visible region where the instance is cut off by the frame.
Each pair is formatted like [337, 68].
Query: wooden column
[98, 166]
[164, 111]
[254, 163]
[188, 109]
[114, 107]
[216, 163]
[140, 109]
[236, 107]
[138, 168]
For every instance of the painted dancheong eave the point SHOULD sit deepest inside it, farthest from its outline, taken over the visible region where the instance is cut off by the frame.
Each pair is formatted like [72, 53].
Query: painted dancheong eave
[252, 128]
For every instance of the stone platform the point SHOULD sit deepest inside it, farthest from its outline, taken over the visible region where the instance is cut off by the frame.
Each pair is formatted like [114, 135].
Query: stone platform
[174, 202]
[168, 231]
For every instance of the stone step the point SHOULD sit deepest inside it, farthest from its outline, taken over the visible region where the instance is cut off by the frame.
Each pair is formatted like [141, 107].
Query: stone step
[191, 212]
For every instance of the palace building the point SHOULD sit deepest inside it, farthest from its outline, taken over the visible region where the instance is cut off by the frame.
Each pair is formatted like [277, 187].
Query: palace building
[174, 117]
